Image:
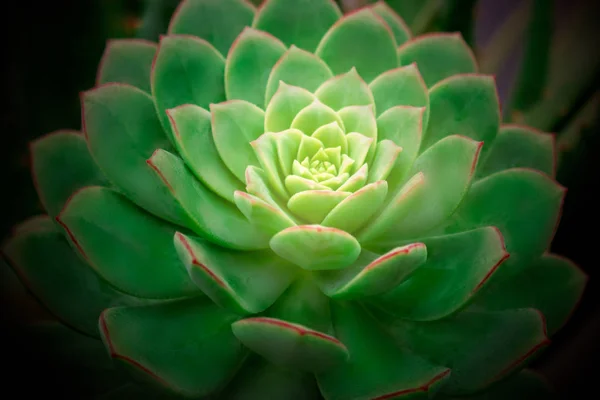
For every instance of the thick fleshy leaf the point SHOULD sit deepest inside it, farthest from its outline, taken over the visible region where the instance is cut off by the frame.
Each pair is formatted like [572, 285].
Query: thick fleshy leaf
[288, 143]
[257, 184]
[132, 250]
[361, 39]
[313, 206]
[122, 131]
[552, 284]
[217, 21]
[360, 119]
[235, 124]
[520, 147]
[402, 86]
[506, 340]
[187, 70]
[127, 61]
[356, 181]
[245, 282]
[268, 218]
[404, 126]
[457, 267]
[467, 105]
[397, 25]
[192, 132]
[384, 160]
[265, 148]
[286, 103]
[344, 90]
[315, 247]
[61, 164]
[523, 204]
[214, 218]
[332, 136]
[296, 184]
[196, 355]
[313, 116]
[288, 20]
[372, 273]
[259, 380]
[249, 64]
[438, 56]
[396, 373]
[368, 200]
[290, 344]
[299, 68]
[63, 283]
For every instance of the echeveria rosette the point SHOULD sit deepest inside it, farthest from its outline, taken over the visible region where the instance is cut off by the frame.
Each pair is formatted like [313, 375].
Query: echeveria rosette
[286, 200]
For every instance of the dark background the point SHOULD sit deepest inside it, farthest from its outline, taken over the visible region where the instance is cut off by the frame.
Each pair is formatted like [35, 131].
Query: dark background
[50, 52]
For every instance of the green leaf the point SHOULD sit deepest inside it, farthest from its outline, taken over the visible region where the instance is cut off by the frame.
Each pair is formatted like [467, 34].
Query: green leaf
[347, 89]
[235, 124]
[402, 86]
[362, 40]
[61, 164]
[127, 61]
[372, 273]
[265, 148]
[59, 279]
[259, 380]
[285, 105]
[332, 136]
[257, 183]
[361, 120]
[242, 281]
[315, 247]
[268, 218]
[313, 206]
[187, 70]
[520, 147]
[217, 21]
[384, 160]
[463, 104]
[288, 143]
[130, 249]
[438, 56]
[396, 372]
[368, 200]
[394, 21]
[249, 64]
[457, 267]
[196, 355]
[402, 125]
[356, 181]
[122, 131]
[194, 140]
[480, 347]
[314, 116]
[214, 218]
[299, 68]
[289, 344]
[288, 20]
[523, 204]
[551, 284]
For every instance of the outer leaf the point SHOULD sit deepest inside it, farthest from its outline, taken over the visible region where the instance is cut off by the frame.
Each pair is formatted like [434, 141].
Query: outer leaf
[235, 124]
[463, 104]
[131, 249]
[287, 20]
[396, 373]
[217, 21]
[127, 61]
[122, 131]
[194, 140]
[402, 86]
[62, 282]
[249, 64]
[505, 340]
[196, 355]
[245, 282]
[61, 164]
[344, 90]
[438, 56]
[397, 25]
[552, 284]
[314, 247]
[520, 147]
[187, 70]
[362, 40]
[457, 267]
[214, 218]
[299, 68]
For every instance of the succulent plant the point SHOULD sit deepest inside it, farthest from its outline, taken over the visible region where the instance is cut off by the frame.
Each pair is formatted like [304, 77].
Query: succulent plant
[288, 202]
